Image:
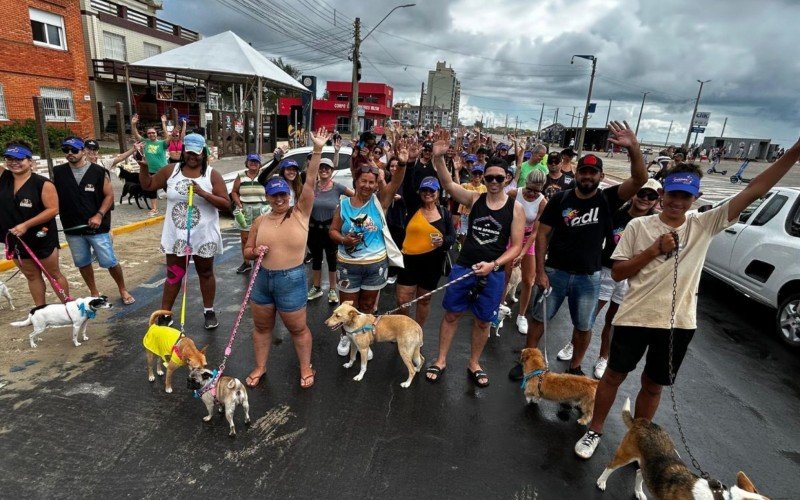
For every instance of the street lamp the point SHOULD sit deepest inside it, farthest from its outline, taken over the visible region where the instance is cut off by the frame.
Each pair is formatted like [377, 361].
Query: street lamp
[588, 98]
[694, 112]
[357, 64]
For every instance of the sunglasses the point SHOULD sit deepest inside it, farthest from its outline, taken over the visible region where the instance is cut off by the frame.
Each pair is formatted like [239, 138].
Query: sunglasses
[647, 194]
[68, 149]
[494, 178]
[426, 191]
[367, 169]
[325, 167]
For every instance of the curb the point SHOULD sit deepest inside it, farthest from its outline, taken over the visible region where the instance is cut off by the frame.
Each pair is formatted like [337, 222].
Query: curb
[6, 265]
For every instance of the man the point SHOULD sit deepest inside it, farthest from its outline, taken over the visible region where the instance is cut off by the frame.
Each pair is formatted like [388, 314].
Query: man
[92, 149]
[494, 238]
[155, 153]
[537, 160]
[572, 229]
[85, 199]
[646, 257]
[557, 180]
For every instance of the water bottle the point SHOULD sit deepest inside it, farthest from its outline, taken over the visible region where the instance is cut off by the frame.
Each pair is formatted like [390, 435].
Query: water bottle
[240, 218]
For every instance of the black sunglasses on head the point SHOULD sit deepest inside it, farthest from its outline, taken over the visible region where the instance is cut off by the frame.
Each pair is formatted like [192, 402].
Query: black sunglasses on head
[69, 149]
[494, 178]
[647, 194]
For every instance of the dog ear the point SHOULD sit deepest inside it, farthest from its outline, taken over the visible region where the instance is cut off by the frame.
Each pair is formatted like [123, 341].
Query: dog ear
[524, 355]
[347, 303]
[207, 375]
[744, 482]
[352, 314]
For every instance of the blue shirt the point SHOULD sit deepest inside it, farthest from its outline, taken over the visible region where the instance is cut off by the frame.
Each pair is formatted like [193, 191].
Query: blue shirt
[367, 222]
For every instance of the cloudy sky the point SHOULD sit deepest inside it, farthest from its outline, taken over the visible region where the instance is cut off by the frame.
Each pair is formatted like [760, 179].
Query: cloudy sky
[512, 56]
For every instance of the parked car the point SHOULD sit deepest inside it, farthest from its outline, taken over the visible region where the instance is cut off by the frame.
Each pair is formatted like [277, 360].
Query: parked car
[341, 173]
[760, 257]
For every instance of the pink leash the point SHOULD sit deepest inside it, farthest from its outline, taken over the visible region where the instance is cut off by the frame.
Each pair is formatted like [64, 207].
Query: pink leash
[56, 286]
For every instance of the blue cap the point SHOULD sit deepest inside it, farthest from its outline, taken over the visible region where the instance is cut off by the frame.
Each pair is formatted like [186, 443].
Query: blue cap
[289, 164]
[73, 142]
[194, 143]
[471, 158]
[683, 181]
[478, 168]
[429, 183]
[502, 147]
[253, 157]
[18, 152]
[277, 186]
[527, 155]
[511, 169]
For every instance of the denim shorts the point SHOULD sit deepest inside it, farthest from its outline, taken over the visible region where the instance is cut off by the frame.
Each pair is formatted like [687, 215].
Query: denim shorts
[581, 292]
[83, 246]
[484, 306]
[350, 278]
[287, 289]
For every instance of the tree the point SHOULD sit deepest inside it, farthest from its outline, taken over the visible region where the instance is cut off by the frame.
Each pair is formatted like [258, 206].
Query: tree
[478, 124]
[271, 95]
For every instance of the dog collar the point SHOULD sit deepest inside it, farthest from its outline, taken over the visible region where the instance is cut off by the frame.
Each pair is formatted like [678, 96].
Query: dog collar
[530, 375]
[718, 489]
[370, 327]
[89, 313]
[213, 383]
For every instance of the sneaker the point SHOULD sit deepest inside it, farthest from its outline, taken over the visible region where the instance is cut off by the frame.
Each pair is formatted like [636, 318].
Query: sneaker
[308, 259]
[164, 320]
[522, 324]
[314, 293]
[245, 267]
[211, 320]
[391, 280]
[586, 445]
[600, 368]
[575, 371]
[565, 354]
[516, 374]
[333, 297]
[344, 346]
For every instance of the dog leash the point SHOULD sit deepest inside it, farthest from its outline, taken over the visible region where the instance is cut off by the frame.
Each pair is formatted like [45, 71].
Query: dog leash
[411, 302]
[188, 251]
[543, 299]
[212, 386]
[63, 296]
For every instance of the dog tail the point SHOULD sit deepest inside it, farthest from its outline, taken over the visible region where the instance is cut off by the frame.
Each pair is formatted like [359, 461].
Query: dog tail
[156, 314]
[25, 322]
[626, 414]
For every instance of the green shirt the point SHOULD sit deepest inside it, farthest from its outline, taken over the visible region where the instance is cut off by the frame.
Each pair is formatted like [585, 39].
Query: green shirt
[528, 168]
[155, 154]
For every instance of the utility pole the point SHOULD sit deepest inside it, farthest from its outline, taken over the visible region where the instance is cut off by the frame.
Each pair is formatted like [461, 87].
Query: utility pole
[555, 120]
[541, 115]
[572, 120]
[694, 112]
[516, 125]
[724, 124]
[588, 99]
[354, 92]
[668, 132]
[421, 94]
[505, 127]
[636, 133]
[608, 115]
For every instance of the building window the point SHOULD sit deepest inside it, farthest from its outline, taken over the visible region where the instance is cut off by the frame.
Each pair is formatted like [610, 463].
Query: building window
[342, 97]
[343, 123]
[151, 49]
[114, 46]
[57, 104]
[3, 112]
[48, 29]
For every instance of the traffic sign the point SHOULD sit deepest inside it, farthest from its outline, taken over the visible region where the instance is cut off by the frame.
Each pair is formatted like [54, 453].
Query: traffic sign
[701, 119]
[592, 107]
[699, 130]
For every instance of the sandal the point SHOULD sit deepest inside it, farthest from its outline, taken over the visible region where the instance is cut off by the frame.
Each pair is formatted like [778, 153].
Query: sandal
[434, 370]
[250, 378]
[476, 377]
[304, 384]
[128, 300]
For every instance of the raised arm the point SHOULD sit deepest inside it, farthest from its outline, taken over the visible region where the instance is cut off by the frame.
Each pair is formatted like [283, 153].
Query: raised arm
[306, 200]
[623, 136]
[183, 128]
[164, 131]
[387, 193]
[764, 181]
[135, 127]
[461, 195]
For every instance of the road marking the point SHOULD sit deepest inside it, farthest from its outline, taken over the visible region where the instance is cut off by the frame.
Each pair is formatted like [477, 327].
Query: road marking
[156, 284]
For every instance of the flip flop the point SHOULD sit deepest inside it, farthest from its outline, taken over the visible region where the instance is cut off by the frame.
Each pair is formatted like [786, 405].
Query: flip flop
[477, 375]
[303, 380]
[258, 380]
[129, 300]
[434, 370]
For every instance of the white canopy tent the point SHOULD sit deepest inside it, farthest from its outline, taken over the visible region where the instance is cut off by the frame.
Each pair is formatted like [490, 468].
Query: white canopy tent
[223, 58]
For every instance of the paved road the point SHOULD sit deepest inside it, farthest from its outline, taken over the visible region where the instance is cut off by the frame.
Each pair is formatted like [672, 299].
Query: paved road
[109, 433]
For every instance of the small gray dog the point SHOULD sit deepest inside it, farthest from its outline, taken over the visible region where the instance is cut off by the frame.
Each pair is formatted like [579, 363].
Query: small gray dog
[230, 393]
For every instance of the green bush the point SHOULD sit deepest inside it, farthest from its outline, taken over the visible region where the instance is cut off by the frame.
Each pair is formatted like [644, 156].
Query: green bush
[26, 130]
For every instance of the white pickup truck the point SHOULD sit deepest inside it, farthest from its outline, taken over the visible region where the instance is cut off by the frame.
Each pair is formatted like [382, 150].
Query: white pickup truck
[760, 257]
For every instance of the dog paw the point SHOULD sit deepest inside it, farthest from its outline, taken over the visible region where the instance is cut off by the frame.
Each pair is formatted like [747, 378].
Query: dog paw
[33, 345]
[247, 421]
[584, 420]
[207, 418]
[530, 400]
[232, 433]
[640, 495]
[601, 485]
[348, 365]
[160, 373]
[151, 378]
[77, 344]
[358, 377]
[85, 338]
[168, 390]
[405, 385]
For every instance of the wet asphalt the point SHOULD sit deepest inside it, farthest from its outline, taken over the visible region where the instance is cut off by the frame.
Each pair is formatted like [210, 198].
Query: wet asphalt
[110, 433]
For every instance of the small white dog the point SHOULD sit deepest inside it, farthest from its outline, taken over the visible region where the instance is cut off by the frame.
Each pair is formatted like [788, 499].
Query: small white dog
[75, 313]
[502, 313]
[230, 393]
[513, 284]
[5, 293]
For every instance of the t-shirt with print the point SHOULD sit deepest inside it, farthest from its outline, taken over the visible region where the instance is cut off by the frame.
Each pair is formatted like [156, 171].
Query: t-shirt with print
[648, 301]
[619, 221]
[155, 154]
[553, 186]
[579, 227]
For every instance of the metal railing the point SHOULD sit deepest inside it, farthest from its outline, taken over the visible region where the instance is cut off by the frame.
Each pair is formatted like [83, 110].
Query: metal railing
[145, 20]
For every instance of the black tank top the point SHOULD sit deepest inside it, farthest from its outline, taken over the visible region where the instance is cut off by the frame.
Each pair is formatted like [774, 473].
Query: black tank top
[488, 233]
[22, 206]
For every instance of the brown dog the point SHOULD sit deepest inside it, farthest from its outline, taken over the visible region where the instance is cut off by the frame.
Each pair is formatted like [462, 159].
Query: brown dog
[660, 468]
[173, 349]
[364, 329]
[540, 384]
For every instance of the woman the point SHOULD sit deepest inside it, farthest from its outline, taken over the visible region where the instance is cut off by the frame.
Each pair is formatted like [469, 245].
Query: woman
[566, 165]
[326, 199]
[175, 145]
[429, 235]
[290, 171]
[155, 154]
[280, 285]
[28, 207]
[533, 201]
[201, 235]
[377, 156]
[475, 184]
[250, 200]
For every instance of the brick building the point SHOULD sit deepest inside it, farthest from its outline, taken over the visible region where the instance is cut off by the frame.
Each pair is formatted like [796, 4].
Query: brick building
[42, 52]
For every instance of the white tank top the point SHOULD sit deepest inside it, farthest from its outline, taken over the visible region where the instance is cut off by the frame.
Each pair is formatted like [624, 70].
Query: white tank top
[531, 209]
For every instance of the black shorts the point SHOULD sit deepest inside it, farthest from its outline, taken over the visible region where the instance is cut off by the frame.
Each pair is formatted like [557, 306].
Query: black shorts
[629, 343]
[424, 270]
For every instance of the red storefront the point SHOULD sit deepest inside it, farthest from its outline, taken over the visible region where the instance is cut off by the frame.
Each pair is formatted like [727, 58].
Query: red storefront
[334, 112]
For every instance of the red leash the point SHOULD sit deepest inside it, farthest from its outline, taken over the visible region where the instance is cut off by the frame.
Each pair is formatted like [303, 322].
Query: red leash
[56, 286]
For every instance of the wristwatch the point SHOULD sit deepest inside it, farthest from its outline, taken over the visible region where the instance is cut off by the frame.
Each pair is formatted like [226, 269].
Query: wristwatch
[496, 266]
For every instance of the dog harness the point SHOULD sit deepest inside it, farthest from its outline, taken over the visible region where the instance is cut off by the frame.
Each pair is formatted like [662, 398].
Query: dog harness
[163, 342]
[535, 373]
[89, 313]
[213, 389]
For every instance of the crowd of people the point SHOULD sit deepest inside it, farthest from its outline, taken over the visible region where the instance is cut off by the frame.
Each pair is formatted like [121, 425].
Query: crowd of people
[416, 197]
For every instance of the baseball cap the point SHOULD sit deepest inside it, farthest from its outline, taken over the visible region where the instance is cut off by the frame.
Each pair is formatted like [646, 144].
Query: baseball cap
[18, 152]
[289, 164]
[194, 143]
[277, 186]
[91, 144]
[478, 168]
[683, 181]
[527, 155]
[253, 157]
[326, 161]
[471, 158]
[73, 142]
[502, 147]
[652, 184]
[427, 145]
[511, 169]
[591, 161]
[429, 183]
